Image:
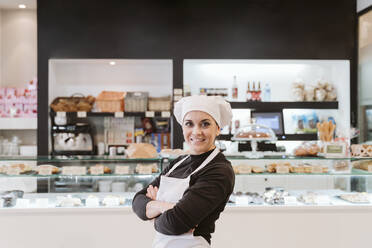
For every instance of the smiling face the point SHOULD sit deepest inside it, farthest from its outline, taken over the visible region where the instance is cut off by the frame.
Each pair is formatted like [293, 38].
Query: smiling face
[200, 131]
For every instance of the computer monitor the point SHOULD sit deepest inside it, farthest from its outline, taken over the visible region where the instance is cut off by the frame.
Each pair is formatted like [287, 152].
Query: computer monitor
[274, 120]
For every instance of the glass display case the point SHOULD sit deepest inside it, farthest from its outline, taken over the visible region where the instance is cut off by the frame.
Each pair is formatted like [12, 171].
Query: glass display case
[91, 181]
[302, 181]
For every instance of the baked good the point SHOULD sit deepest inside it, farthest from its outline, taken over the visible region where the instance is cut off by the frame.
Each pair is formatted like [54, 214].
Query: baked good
[244, 169]
[275, 196]
[112, 200]
[326, 130]
[308, 198]
[3, 168]
[257, 169]
[141, 150]
[271, 168]
[356, 197]
[68, 201]
[54, 169]
[23, 167]
[361, 150]
[106, 169]
[306, 149]
[236, 169]
[299, 169]
[73, 104]
[341, 165]
[144, 168]
[362, 165]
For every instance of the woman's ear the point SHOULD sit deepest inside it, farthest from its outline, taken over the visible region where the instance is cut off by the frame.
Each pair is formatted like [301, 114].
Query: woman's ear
[218, 130]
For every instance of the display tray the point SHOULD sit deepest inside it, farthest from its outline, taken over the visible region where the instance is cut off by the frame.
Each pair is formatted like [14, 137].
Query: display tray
[356, 203]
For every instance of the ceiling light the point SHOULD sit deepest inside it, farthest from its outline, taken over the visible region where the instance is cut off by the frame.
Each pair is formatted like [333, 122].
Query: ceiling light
[22, 6]
[112, 63]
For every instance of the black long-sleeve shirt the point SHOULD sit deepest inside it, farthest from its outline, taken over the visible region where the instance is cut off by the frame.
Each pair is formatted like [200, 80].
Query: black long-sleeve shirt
[201, 203]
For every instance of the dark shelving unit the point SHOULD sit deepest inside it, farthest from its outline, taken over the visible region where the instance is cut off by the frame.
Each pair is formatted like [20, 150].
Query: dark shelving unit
[283, 105]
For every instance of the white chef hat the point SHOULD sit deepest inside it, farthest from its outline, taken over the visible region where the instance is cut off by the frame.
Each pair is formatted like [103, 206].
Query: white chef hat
[215, 106]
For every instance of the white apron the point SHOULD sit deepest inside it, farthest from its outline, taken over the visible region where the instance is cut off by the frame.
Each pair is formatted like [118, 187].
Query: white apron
[171, 189]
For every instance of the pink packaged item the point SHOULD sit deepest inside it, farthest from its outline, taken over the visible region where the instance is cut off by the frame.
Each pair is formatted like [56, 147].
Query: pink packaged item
[20, 92]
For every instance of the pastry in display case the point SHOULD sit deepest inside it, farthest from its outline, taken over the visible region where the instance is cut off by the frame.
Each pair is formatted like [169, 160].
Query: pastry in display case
[254, 133]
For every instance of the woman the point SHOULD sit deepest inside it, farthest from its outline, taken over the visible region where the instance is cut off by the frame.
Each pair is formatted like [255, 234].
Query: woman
[187, 198]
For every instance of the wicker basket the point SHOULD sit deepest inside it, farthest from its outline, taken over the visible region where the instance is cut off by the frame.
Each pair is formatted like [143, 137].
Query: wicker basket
[110, 101]
[74, 103]
[160, 103]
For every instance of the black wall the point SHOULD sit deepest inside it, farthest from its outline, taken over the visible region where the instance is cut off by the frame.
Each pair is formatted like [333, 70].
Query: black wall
[206, 29]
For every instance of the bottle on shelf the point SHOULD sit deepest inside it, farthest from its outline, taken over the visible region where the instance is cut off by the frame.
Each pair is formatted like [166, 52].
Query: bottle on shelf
[266, 97]
[186, 90]
[249, 93]
[253, 92]
[234, 89]
[258, 92]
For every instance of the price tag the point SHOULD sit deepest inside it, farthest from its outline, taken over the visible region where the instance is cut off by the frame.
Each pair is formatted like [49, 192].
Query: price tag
[165, 114]
[74, 170]
[178, 91]
[13, 171]
[23, 203]
[145, 169]
[119, 114]
[334, 150]
[44, 171]
[92, 202]
[290, 200]
[111, 201]
[81, 114]
[370, 168]
[241, 200]
[150, 114]
[42, 202]
[96, 170]
[282, 169]
[316, 169]
[61, 114]
[121, 169]
[323, 200]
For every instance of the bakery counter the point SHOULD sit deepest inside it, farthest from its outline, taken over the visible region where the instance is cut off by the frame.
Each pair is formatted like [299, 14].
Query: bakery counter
[286, 226]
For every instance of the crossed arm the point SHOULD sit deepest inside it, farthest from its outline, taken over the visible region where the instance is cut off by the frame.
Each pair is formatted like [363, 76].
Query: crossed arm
[154, 208]
[201, 198]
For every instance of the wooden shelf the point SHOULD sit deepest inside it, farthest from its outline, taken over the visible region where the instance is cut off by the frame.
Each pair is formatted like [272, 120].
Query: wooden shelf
[18, 123]
[284, 105]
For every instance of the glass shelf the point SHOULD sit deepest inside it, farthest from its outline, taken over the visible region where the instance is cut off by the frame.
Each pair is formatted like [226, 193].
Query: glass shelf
[158, 159]
[81, 176]
[79, 158]
[354, 172]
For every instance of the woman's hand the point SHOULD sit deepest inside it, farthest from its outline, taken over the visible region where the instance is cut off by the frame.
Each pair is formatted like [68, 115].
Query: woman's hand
[156, 208]
[152, 192]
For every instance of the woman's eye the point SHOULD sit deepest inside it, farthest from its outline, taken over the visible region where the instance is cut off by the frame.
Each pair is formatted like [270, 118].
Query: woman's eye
[188, 124]
[206, 124]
